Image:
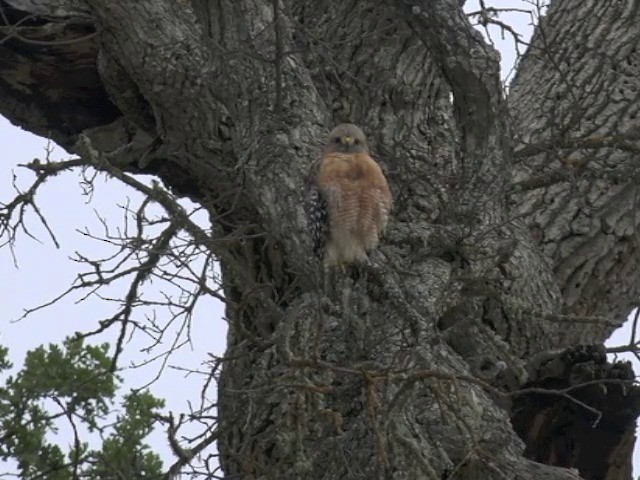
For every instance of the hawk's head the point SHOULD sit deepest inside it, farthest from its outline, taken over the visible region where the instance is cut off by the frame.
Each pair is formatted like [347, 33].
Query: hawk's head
[346, 138]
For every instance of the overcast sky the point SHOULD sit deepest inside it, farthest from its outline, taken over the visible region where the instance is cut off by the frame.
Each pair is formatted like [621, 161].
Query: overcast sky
[44, 271]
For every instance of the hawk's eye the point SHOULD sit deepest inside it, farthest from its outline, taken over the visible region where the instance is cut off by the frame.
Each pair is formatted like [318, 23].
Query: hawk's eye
[337, 140]
[356, 141]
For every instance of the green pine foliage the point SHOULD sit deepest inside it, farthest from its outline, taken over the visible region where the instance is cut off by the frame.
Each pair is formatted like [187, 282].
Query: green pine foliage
[72, 385]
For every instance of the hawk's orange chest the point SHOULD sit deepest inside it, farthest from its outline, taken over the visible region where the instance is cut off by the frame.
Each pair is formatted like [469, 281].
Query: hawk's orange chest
[358, 200]
[344, 168]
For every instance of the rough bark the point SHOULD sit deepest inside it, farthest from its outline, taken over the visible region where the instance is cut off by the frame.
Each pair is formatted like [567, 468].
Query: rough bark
[575, 103]
[416, 373]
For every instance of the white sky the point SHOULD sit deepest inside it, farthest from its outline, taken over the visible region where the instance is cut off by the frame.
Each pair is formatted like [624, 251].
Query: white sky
[44, 271]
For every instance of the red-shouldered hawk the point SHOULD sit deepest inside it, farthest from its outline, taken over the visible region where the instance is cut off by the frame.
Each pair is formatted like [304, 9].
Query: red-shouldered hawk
[349, 199]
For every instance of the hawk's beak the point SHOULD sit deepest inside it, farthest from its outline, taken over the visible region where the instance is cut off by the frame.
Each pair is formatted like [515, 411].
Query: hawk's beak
[347, 140]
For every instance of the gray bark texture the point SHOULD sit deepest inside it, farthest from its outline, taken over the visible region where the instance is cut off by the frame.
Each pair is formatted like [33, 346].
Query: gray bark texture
[470, 345]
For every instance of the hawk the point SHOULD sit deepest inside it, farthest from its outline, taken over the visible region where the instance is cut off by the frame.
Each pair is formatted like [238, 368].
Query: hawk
[349, 199]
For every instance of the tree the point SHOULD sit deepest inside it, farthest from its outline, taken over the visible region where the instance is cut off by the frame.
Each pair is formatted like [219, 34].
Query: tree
[470, 345]
[67, 378]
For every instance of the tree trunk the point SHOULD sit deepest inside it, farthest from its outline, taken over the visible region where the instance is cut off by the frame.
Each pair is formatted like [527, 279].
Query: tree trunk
[513, 235]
